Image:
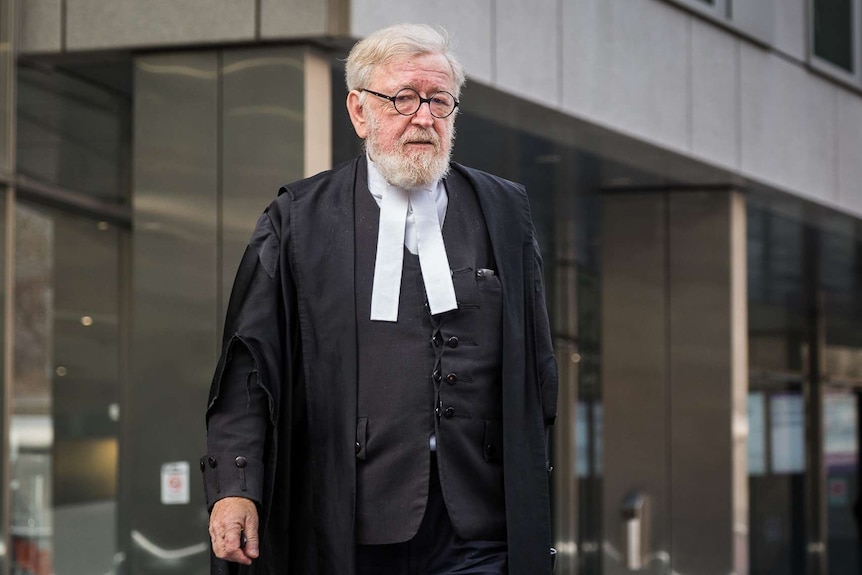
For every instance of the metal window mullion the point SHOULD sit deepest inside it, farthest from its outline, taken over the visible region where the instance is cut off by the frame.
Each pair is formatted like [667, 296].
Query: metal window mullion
[9, 32]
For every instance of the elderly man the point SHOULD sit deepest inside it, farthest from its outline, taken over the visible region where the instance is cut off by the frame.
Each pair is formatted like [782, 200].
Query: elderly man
[382, 401]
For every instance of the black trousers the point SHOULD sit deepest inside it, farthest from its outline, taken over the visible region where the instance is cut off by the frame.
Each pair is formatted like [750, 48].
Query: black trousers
[435, 549]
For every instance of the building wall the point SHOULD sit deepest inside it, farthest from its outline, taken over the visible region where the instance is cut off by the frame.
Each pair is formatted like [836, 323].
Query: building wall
[49, 26]
[647, 68]
[668, 77]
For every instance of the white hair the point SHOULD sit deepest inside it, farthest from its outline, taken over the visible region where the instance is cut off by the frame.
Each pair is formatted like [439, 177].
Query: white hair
[399, 41]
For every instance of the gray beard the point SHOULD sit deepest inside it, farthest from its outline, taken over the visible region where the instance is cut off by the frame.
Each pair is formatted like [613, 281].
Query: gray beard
[409, 171]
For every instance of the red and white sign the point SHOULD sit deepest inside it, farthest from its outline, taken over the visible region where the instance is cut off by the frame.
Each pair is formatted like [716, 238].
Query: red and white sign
[175, 483]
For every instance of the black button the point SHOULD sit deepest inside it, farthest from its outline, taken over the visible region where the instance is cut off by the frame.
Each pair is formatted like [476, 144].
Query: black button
[240, 462]
[213, 463]
[491, 450]
[203, 464]
[452, 341]
[436, 340]
[437, 375]
[358, 447]
[449, 412]
[451, 379]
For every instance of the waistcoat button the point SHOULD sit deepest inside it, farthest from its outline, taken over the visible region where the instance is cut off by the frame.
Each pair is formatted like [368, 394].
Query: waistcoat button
[437, 375]
[449, 412]
[240, 461]
[452, 342]
[451, 379]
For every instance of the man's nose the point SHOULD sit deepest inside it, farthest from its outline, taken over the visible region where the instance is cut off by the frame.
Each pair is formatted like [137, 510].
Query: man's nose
[423, 115]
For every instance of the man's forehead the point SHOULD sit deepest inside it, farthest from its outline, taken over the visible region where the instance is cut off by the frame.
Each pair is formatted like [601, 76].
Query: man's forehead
[407, 70]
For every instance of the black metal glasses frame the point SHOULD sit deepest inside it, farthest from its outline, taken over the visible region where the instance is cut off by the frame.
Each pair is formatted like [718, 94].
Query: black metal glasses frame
[421, 101]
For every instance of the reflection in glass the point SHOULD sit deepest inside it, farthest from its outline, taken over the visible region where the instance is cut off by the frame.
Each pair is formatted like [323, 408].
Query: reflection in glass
[776, 481]
[841, 461]
[833, 32]
[787, 433]
[756, 434]
[64, 428]
[589, 420]
[73, 129]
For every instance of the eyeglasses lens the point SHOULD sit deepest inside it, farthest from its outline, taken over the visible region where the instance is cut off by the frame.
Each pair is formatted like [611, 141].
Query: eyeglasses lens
[407, 102]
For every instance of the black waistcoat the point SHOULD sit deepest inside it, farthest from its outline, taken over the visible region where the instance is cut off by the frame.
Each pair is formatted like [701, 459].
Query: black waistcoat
[430, 374]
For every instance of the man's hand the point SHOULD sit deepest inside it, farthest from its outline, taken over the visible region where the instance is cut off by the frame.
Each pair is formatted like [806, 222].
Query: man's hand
[231, 517]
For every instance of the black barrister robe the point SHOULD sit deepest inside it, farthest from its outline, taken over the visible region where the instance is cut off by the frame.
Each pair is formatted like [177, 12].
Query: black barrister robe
[293, 307]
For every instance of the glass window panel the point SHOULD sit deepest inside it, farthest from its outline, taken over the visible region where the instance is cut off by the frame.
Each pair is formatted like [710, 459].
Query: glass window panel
[175, 286]
[776, 302]
[756, 434]
[833, 32]
[64, 431]
[841, 460]
[787, 433]
[73, 129]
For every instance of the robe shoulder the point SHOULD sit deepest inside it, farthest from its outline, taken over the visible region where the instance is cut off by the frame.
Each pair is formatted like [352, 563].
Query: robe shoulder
[480, 178]
[300, 188]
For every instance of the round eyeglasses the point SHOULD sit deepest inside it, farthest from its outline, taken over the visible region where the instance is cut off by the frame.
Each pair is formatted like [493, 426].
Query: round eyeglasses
[408, 100]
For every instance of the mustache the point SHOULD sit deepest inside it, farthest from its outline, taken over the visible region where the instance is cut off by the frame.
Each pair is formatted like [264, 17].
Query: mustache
[420, 135]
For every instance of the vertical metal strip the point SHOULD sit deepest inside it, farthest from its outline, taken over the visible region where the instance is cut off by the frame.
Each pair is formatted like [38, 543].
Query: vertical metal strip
[124, 491]
[9, 278]
[667, 383]
[739, 377]
[815, 510]
[8, 372]
[219, 231]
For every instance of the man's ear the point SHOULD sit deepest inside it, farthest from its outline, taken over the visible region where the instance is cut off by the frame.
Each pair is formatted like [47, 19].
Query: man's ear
[357, 114]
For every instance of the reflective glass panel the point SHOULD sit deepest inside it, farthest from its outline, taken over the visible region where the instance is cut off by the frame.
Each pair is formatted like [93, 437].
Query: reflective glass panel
[64, 431]
[756, 434]
[834, 23]
[73, 127]
[778, 338]
[841, 462]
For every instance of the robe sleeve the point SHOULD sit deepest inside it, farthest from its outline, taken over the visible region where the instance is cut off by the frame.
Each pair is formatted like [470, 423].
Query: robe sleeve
[235, 431]
[241, 411]
[546, 363]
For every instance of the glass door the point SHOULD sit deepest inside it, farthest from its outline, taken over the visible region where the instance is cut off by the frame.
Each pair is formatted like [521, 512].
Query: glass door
[841, 469]
[64, 428]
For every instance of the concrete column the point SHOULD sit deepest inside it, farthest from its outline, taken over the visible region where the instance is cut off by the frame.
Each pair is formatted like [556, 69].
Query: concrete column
[674, 364]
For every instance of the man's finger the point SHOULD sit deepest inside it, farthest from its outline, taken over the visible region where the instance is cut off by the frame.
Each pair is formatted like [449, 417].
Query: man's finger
[252, 545]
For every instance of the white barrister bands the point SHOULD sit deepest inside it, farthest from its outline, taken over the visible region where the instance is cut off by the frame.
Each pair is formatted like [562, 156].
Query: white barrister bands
[421, 213]
[386, 288]
[432, 254]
